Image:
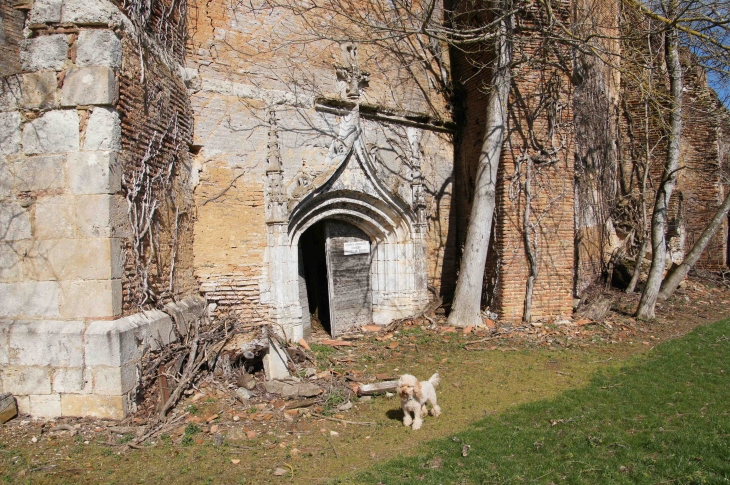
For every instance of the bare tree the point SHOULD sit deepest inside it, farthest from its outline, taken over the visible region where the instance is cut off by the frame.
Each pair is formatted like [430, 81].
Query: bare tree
[702, 26]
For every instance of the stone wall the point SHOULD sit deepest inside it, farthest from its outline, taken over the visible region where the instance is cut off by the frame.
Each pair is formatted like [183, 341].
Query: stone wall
[65, 156]
[303, 88]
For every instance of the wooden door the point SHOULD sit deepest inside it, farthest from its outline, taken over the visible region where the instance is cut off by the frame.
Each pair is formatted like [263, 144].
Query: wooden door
[348, 273]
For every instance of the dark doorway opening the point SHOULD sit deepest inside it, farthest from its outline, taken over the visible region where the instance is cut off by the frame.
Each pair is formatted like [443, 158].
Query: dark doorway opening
[314, 262]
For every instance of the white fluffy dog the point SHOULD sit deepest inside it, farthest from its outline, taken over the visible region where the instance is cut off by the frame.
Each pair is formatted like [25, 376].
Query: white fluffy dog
[413, 398]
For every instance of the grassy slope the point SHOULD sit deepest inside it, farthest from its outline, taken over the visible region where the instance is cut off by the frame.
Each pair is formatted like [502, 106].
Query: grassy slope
[664, 418]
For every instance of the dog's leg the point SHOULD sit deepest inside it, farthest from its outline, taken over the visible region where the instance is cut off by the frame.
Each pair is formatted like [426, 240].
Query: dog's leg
[407, 420]
[417, 421]
[435, 409]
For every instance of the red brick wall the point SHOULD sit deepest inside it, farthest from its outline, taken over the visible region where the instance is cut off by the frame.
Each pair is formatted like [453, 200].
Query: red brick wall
[157, 126]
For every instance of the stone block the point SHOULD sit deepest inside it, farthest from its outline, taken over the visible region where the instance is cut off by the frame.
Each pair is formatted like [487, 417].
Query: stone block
[114, 381]
[275, 363]
[30, 299]
[7, 179]
[47, 342]
[14, 222]
[45, 405]
[9, 93]
[91, 12]
[11, 261]
[35, 174]
[9, 133]
[91, 298]
[44, 53]
[55, 131]
[102, 216]
[75, 259]
[94, 85]
[55, 217]
[184, 313]
[96, 406]
[39, 90]
[23, 404]
[118, 342]
[99, 48]
[104, 130]
[71, 380]
[94, 173]
[45, 11]
[24, 380]
[161, 328]
[4, 334]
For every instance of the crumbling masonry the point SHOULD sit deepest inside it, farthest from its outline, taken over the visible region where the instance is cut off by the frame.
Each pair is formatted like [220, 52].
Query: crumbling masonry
[163, 159]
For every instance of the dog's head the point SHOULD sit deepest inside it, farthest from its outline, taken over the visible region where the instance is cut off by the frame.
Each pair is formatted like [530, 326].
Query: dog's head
[409, 387]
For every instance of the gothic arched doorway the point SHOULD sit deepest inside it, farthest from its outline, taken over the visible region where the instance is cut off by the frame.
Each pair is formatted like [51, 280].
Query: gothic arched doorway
[335, 263]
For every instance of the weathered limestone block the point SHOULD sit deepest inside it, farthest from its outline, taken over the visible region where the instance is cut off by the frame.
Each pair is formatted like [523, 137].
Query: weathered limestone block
[55, 217]
[94, 173]
[45, 406]
[4, 332]
[11, 260]
[23, 404]
[74, 380]
[47, 342]
[114, 381]
[118, 342]
[9, 133]
[34, 174]
[94, 85]
[91, 12]
[99, 48]
[39, 173]
[93, 405]
[102, 215]
[185, 312]
[55, 131]
[91, 298]
[104, 131]
[6, 178]
[9, 93]
[43, 53]
[75, 259]
[23, 380]
[39, 90]
[45, 11]
[14, 222]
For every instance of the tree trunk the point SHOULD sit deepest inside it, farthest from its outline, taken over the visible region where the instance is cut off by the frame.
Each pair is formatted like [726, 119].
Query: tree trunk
[645, 310]
[679, 271]
[465, 310]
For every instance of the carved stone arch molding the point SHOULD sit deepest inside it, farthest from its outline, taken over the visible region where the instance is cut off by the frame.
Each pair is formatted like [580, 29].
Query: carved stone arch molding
[348, 191]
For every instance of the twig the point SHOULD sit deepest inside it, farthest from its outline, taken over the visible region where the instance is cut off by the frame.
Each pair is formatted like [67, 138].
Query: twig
[361, 423]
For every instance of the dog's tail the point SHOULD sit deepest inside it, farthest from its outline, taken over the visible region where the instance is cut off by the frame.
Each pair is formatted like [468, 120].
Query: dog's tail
[435, 380]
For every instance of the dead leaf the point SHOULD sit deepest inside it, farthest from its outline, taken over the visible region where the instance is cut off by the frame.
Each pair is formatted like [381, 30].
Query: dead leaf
[280, 472]
[371, 328]
[235, 461]
[468, 330]
[336, 343]
[465, 450]
[250, 434]
[393, 345]
[304, 344]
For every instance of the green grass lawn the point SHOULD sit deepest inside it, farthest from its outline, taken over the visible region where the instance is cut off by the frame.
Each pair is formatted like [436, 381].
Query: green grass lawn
[663, 418]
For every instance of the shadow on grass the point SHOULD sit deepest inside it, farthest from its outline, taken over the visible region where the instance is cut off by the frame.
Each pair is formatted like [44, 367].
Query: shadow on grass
[663, 418]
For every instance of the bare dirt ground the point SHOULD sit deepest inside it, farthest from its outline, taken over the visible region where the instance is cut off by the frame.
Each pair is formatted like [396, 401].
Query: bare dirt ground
[217, 438]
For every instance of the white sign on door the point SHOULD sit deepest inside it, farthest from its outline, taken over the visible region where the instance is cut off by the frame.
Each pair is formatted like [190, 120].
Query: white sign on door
[357, 247]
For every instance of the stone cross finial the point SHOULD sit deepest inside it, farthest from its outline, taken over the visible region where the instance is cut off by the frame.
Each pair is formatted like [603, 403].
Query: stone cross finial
[351, 79]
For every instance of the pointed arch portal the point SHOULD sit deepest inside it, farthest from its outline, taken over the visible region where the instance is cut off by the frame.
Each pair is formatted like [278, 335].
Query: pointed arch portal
[378, 263]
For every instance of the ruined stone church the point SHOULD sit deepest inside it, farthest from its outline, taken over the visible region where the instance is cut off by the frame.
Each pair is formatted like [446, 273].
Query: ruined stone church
[168, 159]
